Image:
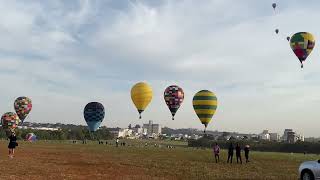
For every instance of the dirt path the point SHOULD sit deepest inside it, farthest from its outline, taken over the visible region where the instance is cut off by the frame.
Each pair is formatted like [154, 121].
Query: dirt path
[63, 162]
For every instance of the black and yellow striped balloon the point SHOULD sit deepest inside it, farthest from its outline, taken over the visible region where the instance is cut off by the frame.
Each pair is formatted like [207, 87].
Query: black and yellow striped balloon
[205, 105]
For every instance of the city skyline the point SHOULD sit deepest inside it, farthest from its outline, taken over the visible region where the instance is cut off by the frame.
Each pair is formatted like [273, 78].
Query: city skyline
[65, 54]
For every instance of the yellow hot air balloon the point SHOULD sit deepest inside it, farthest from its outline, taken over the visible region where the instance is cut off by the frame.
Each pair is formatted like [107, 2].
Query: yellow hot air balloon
[141, 95]
[205, 104]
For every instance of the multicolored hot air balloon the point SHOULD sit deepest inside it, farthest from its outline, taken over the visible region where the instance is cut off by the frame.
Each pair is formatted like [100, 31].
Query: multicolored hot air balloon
[141, 95]
[205, 104]
[94, 115]
[9, 121]
[173, 95]
[31, 137]
[22, 106]
[302, 43]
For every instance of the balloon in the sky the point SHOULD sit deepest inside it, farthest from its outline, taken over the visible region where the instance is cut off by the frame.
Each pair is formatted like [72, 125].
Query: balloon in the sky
[302, 43]
[94, 115]
[288, 38]
[22, 106]
[274, 5]
[141, 95]
[277, 31]
[173, 95]
[205, 104]
[9, 121]
[31, 137]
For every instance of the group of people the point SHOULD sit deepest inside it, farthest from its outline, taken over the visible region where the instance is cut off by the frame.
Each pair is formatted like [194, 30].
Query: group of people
[118, 141]
[216, 152]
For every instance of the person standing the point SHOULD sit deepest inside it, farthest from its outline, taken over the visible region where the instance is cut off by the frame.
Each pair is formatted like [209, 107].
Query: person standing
[12, 144]
[246, 152]
[238, 153]
[117, 142]
[216, 151]
[230, 153]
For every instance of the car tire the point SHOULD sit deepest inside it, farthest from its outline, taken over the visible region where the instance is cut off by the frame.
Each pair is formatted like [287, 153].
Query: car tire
[307, 175]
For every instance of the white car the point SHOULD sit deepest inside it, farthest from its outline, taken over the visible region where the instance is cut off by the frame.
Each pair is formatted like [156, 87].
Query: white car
[310, 170]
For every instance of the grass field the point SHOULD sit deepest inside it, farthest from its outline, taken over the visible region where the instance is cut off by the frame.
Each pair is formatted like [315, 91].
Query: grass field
[63, 160]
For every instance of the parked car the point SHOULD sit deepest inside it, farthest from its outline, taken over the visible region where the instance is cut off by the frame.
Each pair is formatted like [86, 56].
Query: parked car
[309, 170]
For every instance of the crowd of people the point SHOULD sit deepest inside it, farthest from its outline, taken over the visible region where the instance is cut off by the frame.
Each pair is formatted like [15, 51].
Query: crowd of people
[216, 153]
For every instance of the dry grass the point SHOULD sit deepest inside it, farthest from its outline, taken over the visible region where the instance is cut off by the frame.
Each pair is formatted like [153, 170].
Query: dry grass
[92, 161]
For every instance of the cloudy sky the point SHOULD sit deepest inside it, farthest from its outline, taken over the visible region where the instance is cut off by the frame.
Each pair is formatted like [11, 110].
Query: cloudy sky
[64, 54]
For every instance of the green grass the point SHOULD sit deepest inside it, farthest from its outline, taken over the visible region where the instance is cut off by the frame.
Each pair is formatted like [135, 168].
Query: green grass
[139, 162]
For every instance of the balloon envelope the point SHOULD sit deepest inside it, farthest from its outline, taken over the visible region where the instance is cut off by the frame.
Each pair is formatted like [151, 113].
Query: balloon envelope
[94, 115]
[205, 104]
[274, 5]
[9, 121]
[302, 43]
[141, 95]
[22, 106]
[31, 137]
[173, 96]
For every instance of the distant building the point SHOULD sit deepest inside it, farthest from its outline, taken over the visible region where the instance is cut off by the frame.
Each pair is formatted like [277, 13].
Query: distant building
[265, 135]
[152, 129]
[291, 137]
[311, 139]
[285, 134]
[125, 133]
[300, 138]
[274, 137]
[39, 128]
[194, 136]
[137, 130]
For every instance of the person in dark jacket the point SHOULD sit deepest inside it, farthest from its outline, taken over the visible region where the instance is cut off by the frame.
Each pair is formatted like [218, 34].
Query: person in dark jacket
[12, 144]
[230, 153]
[246, 152]
[238, 153]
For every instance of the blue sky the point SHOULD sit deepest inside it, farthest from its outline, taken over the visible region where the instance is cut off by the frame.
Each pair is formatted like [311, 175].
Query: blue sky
[65, 54]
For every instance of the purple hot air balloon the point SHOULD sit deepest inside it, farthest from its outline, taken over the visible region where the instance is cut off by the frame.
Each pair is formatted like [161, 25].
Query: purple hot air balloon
[173, 95]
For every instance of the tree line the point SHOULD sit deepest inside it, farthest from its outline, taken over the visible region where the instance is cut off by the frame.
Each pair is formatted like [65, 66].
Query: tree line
[265, 146]
[74, 133]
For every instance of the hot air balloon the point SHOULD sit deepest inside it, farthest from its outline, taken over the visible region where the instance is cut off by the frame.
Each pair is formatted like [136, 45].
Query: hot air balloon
[94, 115]
[277, 31]
[9, 121]
[173, 96]
[288, 38]
[302, 43]
[274, 5]
[205, 105]
[141, 95]
[31, 137]
[22, 106]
